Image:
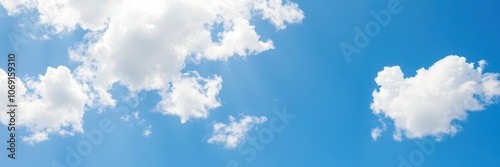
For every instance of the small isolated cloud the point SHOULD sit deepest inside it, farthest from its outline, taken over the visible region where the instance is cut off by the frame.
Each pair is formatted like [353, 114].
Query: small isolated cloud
[134, 120]
[376, 133]
[136, 114]
[147, 131]
[235, 132]
[191, 96]
[435, 100]
[125, 118]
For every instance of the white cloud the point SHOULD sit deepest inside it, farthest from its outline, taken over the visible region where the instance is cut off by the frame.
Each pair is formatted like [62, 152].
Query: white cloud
[125, 118]
[280, 14]
[235, 132]
[133, 43]
[136, 114]
[14, 7]
[240, 40]
[376, 133]
[147, 131]
[435, 100]
[52, 104]
[63, 15]
[191, 96]
[145, 45]
[140, 49]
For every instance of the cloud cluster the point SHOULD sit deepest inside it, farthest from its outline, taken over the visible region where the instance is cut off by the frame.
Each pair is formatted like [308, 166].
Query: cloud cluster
[53, 103]
[235, 132]
[435, 100]
[145, 45]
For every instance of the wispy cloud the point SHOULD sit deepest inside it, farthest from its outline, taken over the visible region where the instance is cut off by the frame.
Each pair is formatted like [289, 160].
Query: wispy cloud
[147, 131]
[234, 132]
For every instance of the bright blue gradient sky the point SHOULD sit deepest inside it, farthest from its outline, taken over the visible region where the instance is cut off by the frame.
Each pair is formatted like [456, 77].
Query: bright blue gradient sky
[308, 75]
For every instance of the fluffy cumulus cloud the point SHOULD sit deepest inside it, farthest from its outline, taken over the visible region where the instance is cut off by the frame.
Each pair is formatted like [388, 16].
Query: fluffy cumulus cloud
[435, 100]
[145, 45]
[191, 96]
[50, 104]
[235, 132]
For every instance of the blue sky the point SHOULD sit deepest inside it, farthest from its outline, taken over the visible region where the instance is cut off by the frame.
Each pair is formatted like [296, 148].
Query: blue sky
[305, 74]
